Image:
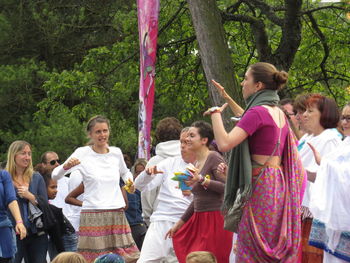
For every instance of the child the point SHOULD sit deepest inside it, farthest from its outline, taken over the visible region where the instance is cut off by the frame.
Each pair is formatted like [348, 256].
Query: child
[62, 226]
[201, 257]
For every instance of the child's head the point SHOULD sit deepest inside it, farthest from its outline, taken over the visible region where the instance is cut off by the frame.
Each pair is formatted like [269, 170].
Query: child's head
[110, 258]
[201, 257]
[51, 186]
[69, 257]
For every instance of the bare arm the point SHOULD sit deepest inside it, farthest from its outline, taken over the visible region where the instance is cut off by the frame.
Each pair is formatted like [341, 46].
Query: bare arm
[226, 141]
[20, 228]
[236, 109]
[72, 196]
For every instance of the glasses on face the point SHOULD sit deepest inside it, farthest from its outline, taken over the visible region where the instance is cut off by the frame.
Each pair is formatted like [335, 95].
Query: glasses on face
[53, 162]
[345, 118]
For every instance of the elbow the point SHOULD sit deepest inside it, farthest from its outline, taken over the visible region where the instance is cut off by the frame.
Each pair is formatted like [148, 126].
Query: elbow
[223, 148]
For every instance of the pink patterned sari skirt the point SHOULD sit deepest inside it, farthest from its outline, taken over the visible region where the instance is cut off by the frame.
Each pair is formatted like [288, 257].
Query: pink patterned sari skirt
[269, 230]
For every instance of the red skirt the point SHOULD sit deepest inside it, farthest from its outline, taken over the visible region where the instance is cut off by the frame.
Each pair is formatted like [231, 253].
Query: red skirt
[204, 231]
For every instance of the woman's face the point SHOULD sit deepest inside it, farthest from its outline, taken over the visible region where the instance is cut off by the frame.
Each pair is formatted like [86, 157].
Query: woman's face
[138, 169]
[249, 86]
[345, 122]
[99, 134]
[194, 140]
[300, 118]
[312, 117]
[24, 157]
[52, 189]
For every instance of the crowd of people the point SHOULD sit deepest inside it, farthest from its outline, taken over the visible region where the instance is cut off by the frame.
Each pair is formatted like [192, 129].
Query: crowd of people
[281, 195]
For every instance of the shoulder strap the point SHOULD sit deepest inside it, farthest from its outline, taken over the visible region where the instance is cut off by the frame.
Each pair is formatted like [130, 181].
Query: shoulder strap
[277, 143]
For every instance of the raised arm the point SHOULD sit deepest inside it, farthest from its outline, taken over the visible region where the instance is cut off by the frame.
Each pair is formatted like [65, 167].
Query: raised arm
[236, 109]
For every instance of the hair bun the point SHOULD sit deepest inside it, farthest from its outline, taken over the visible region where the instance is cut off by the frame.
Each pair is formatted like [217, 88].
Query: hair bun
[280, 77]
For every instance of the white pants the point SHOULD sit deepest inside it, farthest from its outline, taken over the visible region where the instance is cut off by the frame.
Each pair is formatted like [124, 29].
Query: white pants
[155, 248]
[329, 258]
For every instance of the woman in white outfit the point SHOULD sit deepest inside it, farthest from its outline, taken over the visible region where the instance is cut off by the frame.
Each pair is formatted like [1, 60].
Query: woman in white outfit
[103, 225]
[330, 204]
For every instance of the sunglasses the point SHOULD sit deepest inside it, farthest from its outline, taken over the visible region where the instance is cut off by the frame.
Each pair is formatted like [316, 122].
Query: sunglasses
[345, 118]
[53, 162]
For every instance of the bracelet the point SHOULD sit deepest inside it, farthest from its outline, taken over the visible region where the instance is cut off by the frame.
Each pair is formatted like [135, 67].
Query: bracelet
[201, 179]
[214, 109]
[19, 222]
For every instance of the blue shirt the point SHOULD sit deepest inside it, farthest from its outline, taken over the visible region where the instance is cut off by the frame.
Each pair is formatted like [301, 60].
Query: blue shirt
[134, 211]
[36, 187]
[7, 193]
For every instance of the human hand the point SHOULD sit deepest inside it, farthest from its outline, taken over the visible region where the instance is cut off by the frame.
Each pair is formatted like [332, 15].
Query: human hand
[172, 231]
[21, 230]
[222, 168]
[317, 155]
[71, 163]
[23, 192]
[153, 170]
[220, 88]
[215, 109]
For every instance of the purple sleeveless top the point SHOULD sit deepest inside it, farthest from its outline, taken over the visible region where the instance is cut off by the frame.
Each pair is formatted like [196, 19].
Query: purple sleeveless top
[263, 131]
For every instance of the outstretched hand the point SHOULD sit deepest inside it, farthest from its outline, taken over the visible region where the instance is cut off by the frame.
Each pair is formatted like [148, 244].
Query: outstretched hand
[317, 155]
[220, 88]
[220, 109]
[153, 170]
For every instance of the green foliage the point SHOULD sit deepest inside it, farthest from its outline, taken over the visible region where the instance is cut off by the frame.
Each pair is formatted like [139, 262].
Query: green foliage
[62, 62]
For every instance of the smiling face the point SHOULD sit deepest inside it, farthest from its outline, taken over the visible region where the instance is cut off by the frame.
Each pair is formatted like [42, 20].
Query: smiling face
[194, 139]
[99, 134]
[249, 86]
[345, 122]
[23, 158]
[312, 117]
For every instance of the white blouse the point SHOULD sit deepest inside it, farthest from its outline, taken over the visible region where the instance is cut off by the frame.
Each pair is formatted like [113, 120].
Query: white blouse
[101, 175]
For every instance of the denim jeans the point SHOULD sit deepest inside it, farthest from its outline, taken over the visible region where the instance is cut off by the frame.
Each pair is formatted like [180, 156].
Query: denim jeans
[33, 249]
[70, 242]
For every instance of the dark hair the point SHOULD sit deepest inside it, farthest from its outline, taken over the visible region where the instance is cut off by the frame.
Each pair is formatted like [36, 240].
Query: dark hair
[328, 108]
[168, 129]
[299, 104]
[43, 157]
[97, 119]
[269, 75]
[47, 177]
[286, 101]
[205, 130]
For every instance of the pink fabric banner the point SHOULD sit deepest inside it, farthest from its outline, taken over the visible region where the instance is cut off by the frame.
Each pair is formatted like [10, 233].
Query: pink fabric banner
[147, 11]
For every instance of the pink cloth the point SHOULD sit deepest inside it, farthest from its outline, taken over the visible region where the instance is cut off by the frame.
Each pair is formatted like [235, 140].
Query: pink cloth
[270, 229]
[260, 126]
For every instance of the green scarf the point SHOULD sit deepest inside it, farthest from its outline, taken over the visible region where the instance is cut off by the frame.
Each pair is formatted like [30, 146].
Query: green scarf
[240, 166]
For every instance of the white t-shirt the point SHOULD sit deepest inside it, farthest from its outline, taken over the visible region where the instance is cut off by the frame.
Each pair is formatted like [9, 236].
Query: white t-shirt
[171, 202]
[73, 211]
[101, 175]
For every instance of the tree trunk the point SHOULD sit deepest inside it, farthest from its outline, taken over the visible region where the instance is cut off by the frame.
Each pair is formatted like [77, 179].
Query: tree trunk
[214, 52]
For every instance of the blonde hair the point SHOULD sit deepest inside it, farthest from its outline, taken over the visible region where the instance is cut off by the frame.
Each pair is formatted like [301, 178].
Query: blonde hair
[11, 165]
[201, 257]
[69, 257]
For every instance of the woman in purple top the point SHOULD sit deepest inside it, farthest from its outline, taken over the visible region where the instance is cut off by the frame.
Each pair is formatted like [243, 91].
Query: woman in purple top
[201, 226]
[265, 171]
